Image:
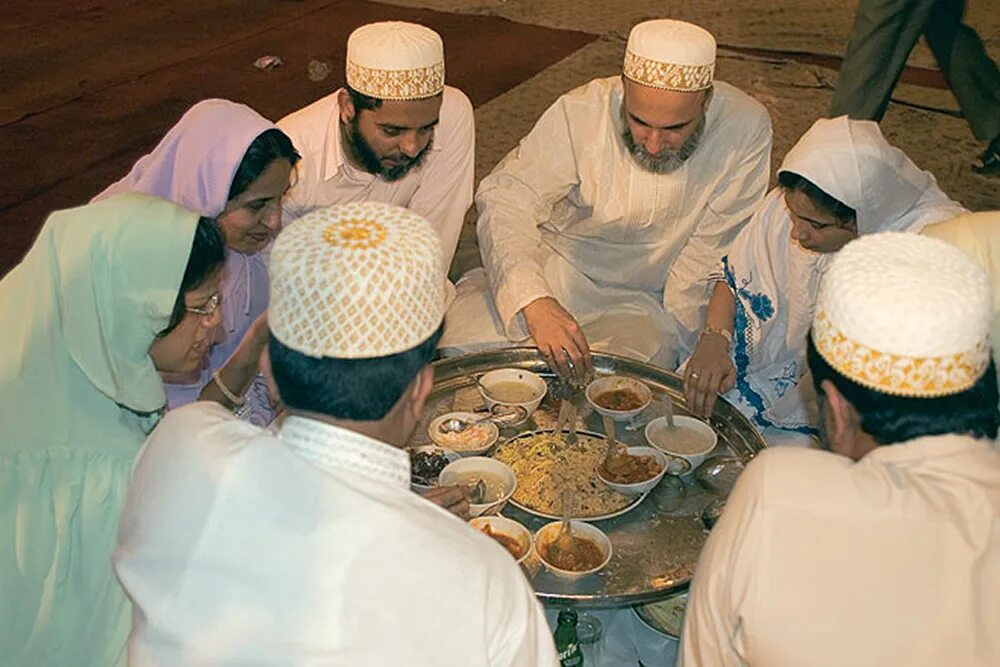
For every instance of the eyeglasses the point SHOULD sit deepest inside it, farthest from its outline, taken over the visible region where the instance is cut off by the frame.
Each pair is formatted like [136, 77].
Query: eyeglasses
[208, 309]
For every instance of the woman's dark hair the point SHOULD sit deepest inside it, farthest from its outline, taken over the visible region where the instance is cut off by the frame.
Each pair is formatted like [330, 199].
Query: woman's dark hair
[893, 419]
[362, 101]
[270, 145]
[208, 252]
[792, 182]
[355, 389]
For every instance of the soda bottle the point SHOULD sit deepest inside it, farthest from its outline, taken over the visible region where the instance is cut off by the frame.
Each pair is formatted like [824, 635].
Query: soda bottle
[567, 645]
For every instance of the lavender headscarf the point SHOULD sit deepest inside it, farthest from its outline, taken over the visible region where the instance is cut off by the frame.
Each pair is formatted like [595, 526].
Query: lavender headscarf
[193, 165]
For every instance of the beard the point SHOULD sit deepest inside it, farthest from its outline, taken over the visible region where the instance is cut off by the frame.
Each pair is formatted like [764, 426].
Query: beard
[666, 161]
[364, 154]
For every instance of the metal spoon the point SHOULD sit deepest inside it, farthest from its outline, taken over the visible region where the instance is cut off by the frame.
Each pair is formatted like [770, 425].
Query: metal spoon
[501, 415]
[478, 492]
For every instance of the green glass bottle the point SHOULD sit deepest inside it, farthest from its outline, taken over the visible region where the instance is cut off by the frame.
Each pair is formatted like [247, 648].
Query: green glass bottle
[567, 645]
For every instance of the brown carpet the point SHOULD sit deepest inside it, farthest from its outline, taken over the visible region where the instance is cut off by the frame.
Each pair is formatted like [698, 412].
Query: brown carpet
[88, 87]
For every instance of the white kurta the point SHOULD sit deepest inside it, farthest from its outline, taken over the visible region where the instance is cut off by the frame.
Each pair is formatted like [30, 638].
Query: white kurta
[571, 215]
[243, 546]
[440, 189]
[818, 560]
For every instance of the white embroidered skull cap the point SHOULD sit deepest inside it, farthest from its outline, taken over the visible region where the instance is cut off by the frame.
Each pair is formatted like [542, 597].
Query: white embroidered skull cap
[670, 55]
[394, 60]
[904, 314]
[356, 281]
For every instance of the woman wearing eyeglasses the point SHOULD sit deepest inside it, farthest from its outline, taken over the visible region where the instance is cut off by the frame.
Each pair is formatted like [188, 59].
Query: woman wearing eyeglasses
[109, 296]
[224, 160]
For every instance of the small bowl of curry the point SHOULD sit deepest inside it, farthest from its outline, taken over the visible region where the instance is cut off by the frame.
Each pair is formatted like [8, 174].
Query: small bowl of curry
[511, 535]
[634, 471]
[619, 397]
[589, 552]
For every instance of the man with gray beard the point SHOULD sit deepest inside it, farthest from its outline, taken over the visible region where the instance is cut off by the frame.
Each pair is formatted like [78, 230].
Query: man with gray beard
[600, 229]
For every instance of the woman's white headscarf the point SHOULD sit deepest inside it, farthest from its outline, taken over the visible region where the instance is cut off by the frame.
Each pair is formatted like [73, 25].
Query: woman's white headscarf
[775, 281]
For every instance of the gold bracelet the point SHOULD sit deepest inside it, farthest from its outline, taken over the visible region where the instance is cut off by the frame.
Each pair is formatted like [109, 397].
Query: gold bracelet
[230, 396]
[725, 333]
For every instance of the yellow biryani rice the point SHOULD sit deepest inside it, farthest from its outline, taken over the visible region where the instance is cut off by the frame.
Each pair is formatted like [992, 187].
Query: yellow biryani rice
[541, 463]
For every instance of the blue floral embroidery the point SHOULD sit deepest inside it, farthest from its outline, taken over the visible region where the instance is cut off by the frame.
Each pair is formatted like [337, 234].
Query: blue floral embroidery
[762, 308]
[760, 304]
[789, 378]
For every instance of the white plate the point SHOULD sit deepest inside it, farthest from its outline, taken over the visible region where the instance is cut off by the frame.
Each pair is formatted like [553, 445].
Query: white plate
[625, 510]
[669, 626]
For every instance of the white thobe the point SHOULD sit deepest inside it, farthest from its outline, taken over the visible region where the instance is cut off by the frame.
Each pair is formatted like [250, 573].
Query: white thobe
[818, 560]
[569, 214]
[240, 546]
[440, 189]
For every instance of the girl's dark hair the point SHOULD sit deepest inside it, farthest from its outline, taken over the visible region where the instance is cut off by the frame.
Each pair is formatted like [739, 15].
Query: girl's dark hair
[791, 181]
[269, 146]
[208, 253]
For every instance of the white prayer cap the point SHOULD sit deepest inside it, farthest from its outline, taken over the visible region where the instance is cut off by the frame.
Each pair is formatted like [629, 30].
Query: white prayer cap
[904, 314]
[671, 55]
[356, 281]
[394, 60]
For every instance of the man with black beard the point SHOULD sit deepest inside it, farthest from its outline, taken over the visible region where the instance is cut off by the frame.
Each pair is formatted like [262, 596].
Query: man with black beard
[394, 134]
[599, 231]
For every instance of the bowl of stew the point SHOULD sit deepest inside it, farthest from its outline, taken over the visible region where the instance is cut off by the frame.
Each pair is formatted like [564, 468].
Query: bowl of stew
[618, 396]
[511, 535]
[590, 553]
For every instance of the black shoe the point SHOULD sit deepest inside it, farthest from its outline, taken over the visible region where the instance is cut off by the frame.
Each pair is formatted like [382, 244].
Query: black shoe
[989, 161]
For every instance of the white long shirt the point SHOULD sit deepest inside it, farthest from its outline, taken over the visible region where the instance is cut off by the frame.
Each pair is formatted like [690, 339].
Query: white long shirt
[570, 193]
[243, 546]
[818, 560]
[440, 189]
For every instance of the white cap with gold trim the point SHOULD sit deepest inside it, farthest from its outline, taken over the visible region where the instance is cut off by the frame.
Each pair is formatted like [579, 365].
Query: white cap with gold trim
[356, 281]
[394, 60]
[905, 315]
[670, 55]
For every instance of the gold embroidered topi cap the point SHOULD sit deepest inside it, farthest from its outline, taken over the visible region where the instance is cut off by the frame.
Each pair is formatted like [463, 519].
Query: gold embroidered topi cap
[394, 60]
[356, 281]
[671, 55]
[905, 315]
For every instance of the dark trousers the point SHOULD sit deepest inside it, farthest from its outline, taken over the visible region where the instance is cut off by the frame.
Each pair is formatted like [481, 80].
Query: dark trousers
[885, 32]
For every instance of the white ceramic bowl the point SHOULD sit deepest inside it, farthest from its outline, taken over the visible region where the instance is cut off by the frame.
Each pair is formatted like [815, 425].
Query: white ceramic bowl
[639, 487]
[658, 434]
[550, 531]
[614, 383]
[450, 455]
[508, 527]
[481, 464]
[463, 443]
[532, 381]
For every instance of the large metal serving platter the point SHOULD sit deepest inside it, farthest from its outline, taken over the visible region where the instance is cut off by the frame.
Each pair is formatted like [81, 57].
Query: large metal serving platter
[656, 545]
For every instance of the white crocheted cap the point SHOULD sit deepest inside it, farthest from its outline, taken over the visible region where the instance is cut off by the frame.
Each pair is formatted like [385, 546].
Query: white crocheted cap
[394, 60]
[904, 314]
[356, 281]
[671, 55]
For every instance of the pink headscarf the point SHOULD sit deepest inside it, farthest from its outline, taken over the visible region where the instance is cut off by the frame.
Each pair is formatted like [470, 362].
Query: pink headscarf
[194, 164]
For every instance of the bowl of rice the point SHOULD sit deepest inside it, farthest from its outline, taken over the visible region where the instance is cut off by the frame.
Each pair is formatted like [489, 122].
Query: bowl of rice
[690, 439]
[475, 440]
